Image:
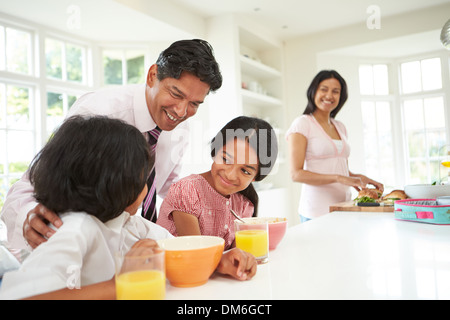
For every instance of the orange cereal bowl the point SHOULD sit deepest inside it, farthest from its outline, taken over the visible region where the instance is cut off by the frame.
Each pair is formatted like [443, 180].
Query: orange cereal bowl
[277, 228]
[190, 260]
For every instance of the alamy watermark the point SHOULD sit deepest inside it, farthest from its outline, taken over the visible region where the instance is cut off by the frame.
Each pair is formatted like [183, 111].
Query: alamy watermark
[264, 143]
[73, 21]
[373, 21]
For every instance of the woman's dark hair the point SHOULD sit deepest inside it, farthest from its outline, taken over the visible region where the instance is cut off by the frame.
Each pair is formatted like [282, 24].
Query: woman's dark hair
[311, 92]
[261, 137]
[93, 164]
[194, 56]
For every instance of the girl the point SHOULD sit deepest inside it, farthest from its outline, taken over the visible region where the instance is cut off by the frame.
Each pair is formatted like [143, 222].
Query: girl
[244, 151]
[319, 149]
[92, 173]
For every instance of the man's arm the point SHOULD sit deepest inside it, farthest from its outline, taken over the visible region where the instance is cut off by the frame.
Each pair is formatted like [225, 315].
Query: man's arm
[26, 220]
[19, 202]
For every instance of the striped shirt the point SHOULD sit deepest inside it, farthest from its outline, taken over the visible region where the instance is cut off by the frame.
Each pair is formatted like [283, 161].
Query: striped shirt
[194, 195]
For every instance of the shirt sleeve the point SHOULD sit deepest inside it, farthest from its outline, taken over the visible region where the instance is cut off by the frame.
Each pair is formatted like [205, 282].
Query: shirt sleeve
[300, 125]
[183, 196]
[53, 265]
[19, 202]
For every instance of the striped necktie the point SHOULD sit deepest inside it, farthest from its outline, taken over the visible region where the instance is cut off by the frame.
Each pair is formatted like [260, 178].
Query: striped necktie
[149, 203]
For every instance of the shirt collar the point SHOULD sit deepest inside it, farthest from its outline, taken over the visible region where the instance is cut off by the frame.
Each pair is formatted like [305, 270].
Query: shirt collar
[118, 222]
[142, 118]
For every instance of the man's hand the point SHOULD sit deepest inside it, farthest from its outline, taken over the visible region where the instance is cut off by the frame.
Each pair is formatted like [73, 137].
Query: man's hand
[238, 264]
[35, 226]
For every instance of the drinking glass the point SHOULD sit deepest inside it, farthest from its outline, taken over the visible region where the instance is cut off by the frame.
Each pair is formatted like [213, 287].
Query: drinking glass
[252, 236]
[140, 274]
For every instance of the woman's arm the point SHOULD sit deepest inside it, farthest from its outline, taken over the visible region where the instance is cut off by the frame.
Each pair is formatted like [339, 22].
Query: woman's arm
[297, 147]
[186, 224]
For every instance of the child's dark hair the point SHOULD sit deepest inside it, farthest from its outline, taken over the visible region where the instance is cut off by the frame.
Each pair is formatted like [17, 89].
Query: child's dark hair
[93, 164]
[311, 92]
[261, 137]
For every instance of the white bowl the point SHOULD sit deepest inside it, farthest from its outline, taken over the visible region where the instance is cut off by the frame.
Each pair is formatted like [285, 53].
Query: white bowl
[443, 201]
[427, 191]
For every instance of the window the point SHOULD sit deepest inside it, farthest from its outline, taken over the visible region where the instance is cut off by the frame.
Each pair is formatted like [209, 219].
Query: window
[65, 61]
[374, 79]
[424, 75]
[424, 133]
[376, 115]
[58, 104]
[123, 67]
[17, 133]
[36, 92]
[17, 107]
[33, 104]
[421, 120]
[423, 109]
[18, 52]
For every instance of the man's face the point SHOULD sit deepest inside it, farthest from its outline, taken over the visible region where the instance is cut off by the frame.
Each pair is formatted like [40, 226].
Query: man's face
[171, 101]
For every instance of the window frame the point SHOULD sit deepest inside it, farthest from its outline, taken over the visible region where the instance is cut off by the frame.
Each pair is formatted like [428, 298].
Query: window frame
[423, 95]
[389, 98]
[123, 51]
[39, 84]
[397, 98]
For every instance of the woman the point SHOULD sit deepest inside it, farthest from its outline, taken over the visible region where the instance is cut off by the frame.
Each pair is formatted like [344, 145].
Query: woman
[319, 149]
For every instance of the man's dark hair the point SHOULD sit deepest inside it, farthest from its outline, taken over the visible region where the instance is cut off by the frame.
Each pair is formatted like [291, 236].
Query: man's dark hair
[93, 164]
[194, 56]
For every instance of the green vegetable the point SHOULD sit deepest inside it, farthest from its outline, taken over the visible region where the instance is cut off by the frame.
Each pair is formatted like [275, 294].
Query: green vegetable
[364, 199]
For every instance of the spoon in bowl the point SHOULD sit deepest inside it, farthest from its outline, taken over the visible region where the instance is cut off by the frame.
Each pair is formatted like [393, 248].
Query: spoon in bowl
[236, 216]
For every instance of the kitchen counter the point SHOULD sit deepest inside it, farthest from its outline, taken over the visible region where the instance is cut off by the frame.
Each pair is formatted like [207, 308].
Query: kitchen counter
[344, 255]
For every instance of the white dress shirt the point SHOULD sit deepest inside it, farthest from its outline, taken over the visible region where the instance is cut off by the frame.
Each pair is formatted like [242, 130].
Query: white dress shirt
[80, 253]
[128, 104]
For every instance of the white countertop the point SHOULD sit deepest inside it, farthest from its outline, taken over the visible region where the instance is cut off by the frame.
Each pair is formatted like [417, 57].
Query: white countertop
[344, 255]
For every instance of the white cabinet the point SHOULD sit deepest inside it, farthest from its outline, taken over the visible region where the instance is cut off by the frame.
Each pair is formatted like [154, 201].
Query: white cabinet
[251, 63]
[261, 92]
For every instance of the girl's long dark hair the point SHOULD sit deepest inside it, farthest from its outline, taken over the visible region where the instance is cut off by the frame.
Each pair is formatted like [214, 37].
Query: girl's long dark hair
[311, 92]
[92, 164]
[261, 137]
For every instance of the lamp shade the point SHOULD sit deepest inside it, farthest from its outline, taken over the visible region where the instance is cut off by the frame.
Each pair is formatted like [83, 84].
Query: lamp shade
[445, 35]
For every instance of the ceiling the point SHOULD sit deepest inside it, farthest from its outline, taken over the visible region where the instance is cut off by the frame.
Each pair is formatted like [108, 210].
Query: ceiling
[292, 18]
[118, 20]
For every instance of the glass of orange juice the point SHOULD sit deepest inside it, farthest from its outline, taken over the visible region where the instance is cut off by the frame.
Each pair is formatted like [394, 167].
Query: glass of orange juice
[140, 275]
[252, 236]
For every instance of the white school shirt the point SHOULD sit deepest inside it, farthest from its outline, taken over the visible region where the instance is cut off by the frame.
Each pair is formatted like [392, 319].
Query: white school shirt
[128, 104]
[326, 156]
[80, 253]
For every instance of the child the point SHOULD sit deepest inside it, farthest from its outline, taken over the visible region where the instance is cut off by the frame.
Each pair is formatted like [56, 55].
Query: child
[92, 173]
[244, 151]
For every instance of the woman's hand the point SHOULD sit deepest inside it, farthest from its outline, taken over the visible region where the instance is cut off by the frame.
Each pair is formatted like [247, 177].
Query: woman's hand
[238, 264]
[366, 181]
[351, 181]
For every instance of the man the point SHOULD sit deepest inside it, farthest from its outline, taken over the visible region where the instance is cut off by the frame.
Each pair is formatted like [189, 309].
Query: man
[176, 85]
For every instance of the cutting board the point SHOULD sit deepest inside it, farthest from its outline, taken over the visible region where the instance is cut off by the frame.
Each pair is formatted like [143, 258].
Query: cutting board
[350, 206]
